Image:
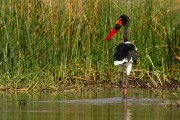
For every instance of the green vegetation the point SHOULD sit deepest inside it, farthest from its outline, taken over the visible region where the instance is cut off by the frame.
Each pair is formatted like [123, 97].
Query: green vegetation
[55, 44]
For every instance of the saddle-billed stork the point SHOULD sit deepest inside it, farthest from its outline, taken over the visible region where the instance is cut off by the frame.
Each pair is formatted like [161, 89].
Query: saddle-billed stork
[125, 53]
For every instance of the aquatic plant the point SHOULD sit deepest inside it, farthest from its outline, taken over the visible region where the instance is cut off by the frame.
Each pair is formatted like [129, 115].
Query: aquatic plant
[55, 44]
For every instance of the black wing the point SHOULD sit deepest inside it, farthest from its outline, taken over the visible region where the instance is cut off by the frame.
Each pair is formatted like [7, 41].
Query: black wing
[127, 51]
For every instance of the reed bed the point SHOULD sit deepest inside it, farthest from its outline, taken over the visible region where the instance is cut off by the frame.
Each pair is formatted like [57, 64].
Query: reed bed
[54, 44]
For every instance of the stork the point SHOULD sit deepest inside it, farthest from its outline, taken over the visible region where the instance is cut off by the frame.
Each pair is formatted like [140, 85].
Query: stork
[125, 53]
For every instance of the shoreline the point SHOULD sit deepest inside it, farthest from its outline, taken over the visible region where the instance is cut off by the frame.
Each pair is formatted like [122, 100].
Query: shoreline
[87, 84]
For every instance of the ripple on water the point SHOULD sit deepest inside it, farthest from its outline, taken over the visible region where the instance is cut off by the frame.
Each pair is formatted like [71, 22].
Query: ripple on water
[100, 101]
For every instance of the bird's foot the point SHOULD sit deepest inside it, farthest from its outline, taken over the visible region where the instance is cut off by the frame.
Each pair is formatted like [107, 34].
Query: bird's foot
[124, 91]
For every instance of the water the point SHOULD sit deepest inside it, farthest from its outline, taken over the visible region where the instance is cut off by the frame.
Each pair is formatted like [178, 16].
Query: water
[97, 104]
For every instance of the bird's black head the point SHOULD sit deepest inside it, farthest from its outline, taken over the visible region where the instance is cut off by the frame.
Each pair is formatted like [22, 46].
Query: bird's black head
[122, 21]
[125, 19]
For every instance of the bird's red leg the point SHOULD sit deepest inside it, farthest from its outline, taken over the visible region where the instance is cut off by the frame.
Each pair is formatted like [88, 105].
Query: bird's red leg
[121, 82]
[125, 87]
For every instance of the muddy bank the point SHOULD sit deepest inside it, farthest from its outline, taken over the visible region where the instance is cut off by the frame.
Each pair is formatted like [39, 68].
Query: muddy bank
[135, 83]
[77, 84]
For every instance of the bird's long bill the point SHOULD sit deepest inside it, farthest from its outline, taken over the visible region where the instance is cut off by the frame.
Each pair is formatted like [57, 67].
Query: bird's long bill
[114, 30]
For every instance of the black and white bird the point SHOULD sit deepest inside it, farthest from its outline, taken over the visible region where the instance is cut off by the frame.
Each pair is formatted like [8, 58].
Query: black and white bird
[125, 53]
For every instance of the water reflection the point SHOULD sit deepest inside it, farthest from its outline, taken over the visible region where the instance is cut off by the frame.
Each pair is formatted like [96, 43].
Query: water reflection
[91, 105]
[127, 111]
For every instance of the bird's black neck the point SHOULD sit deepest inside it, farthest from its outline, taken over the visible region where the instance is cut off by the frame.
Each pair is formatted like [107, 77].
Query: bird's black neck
[125, 33]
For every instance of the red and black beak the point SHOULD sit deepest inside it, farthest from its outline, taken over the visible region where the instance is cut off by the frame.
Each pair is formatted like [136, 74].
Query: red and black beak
[114, 30]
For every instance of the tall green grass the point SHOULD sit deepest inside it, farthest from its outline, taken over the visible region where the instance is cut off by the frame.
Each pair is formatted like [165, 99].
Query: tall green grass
[51, 44]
